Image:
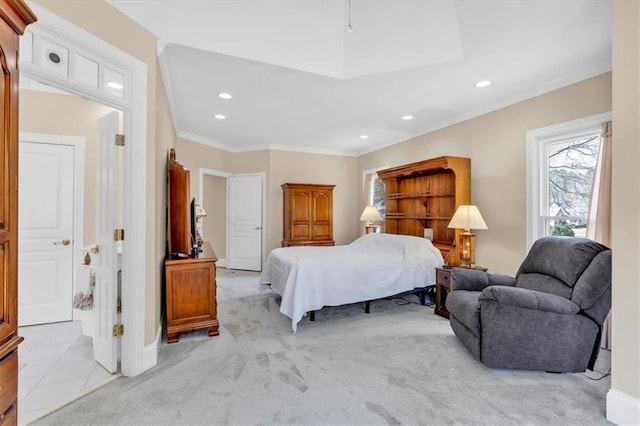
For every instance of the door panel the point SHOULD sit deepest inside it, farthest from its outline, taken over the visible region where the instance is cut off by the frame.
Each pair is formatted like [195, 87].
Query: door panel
[105, 348]
[245, 223]
[45, 212]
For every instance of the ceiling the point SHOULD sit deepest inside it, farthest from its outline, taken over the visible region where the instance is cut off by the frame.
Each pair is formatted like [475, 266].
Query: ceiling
[300, 81]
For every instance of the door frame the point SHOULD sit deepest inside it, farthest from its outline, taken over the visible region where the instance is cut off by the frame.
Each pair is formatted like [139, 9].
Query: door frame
[135, 357]
[77, 142]
[263, 181]
[202, 171]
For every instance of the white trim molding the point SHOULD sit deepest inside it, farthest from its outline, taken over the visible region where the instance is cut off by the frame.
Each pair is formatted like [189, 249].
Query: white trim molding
[622, 409]
[536, 142]
[150, 355]
[134, 108]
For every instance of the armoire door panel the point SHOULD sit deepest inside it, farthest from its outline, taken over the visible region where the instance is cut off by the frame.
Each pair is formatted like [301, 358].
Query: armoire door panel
[300, 207]
[301, 231]
[322, 209]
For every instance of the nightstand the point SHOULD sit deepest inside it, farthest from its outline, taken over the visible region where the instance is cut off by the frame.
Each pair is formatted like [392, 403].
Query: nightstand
[443, 287]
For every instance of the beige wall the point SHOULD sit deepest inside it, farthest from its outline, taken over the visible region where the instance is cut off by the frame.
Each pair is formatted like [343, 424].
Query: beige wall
[298, 167]
[108, 24]
[625, 355]
[215, 204]
[165, 139]
[496, 144]
[280, 167]
[68, 115]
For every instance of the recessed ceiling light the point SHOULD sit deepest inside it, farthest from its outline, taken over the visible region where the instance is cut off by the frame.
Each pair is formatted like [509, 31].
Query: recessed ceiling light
[407, 117]
[115, 85]
[483, 83]
[225, 95]
[364, 137]
[219, 117]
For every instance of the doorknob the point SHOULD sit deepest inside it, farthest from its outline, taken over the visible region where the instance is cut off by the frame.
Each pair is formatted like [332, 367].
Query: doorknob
[257, 228]
[64, 242]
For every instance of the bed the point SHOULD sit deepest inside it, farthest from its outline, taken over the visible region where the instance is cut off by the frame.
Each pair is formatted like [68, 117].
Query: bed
[372, 267]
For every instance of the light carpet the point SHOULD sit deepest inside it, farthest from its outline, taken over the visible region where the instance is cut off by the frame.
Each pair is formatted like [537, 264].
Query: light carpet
[400, 364]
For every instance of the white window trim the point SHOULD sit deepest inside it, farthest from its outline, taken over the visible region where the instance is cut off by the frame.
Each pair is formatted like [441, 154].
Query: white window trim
[364, 179]
[537, 141]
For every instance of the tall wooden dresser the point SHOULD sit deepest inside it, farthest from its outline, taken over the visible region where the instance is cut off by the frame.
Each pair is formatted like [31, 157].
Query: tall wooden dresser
[14, 17]
[307, 214]
[190, 276]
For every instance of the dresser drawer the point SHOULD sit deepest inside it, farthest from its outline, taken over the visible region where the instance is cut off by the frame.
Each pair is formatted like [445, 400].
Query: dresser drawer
[10, 416]
[443, 278]
[8, 381]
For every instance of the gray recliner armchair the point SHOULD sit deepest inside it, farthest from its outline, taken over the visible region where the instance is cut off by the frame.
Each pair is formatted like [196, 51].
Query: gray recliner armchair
[549, 317]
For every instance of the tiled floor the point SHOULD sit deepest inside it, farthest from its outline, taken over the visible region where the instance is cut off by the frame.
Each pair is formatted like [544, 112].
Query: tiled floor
[56, 366]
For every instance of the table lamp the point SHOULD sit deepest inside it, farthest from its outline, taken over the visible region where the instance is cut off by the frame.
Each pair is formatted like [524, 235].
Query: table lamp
[370, 214]
[467, 217]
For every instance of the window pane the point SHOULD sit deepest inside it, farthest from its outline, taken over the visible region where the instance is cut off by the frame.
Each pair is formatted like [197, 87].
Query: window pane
[571, 168]
[378, 195]
[562, 227]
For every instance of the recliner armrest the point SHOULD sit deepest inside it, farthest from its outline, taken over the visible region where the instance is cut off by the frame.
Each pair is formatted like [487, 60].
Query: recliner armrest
[529, 299]
[501, 279]
[477, 280]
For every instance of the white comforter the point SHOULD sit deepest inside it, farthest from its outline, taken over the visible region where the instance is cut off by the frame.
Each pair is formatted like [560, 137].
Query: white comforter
[372, 267]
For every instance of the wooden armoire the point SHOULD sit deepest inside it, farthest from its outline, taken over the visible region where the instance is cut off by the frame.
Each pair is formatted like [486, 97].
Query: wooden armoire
[307, 214]
[15, 16]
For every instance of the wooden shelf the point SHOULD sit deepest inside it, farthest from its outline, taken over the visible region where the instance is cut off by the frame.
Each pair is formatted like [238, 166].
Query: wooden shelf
[399, 196]
[418, 217]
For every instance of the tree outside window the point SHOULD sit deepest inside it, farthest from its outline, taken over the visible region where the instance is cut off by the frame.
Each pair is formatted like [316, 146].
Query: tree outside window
[571, 166]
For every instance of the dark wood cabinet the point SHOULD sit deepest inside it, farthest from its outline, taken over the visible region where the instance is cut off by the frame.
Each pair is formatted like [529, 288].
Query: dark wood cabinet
[14, 17]
[179, 205]
[426, 194]
[307, 214]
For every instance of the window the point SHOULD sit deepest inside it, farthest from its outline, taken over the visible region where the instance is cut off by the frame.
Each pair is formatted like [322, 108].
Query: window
[374, 191]
[561, 162]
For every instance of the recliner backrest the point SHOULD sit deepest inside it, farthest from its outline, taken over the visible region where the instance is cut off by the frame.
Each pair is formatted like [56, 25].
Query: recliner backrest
[576, 268]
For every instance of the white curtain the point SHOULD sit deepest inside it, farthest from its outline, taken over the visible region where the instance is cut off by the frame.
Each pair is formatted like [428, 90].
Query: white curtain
[599, 218]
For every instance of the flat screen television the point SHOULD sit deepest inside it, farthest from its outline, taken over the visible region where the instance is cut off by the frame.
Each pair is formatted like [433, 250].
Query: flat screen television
[194, 239]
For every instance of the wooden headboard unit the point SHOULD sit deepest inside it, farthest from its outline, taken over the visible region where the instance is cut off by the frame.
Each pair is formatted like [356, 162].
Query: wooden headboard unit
[426, 194]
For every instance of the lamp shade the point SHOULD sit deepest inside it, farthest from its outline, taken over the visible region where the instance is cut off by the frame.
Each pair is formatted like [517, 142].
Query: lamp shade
[371, 214]
[467, 217]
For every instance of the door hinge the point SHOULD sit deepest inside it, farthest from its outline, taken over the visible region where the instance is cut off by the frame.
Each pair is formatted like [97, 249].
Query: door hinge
[119, 306]
[119, 140]
[118, 330]
[118, 235]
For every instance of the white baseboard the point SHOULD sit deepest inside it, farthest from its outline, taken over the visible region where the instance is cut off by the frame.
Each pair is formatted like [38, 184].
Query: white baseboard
[622, 409]
[221, 263]
[150, 352]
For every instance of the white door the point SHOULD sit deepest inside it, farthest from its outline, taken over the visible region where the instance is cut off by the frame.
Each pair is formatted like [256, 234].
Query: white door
[244, 249]
[105, 348]
[45, 233]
